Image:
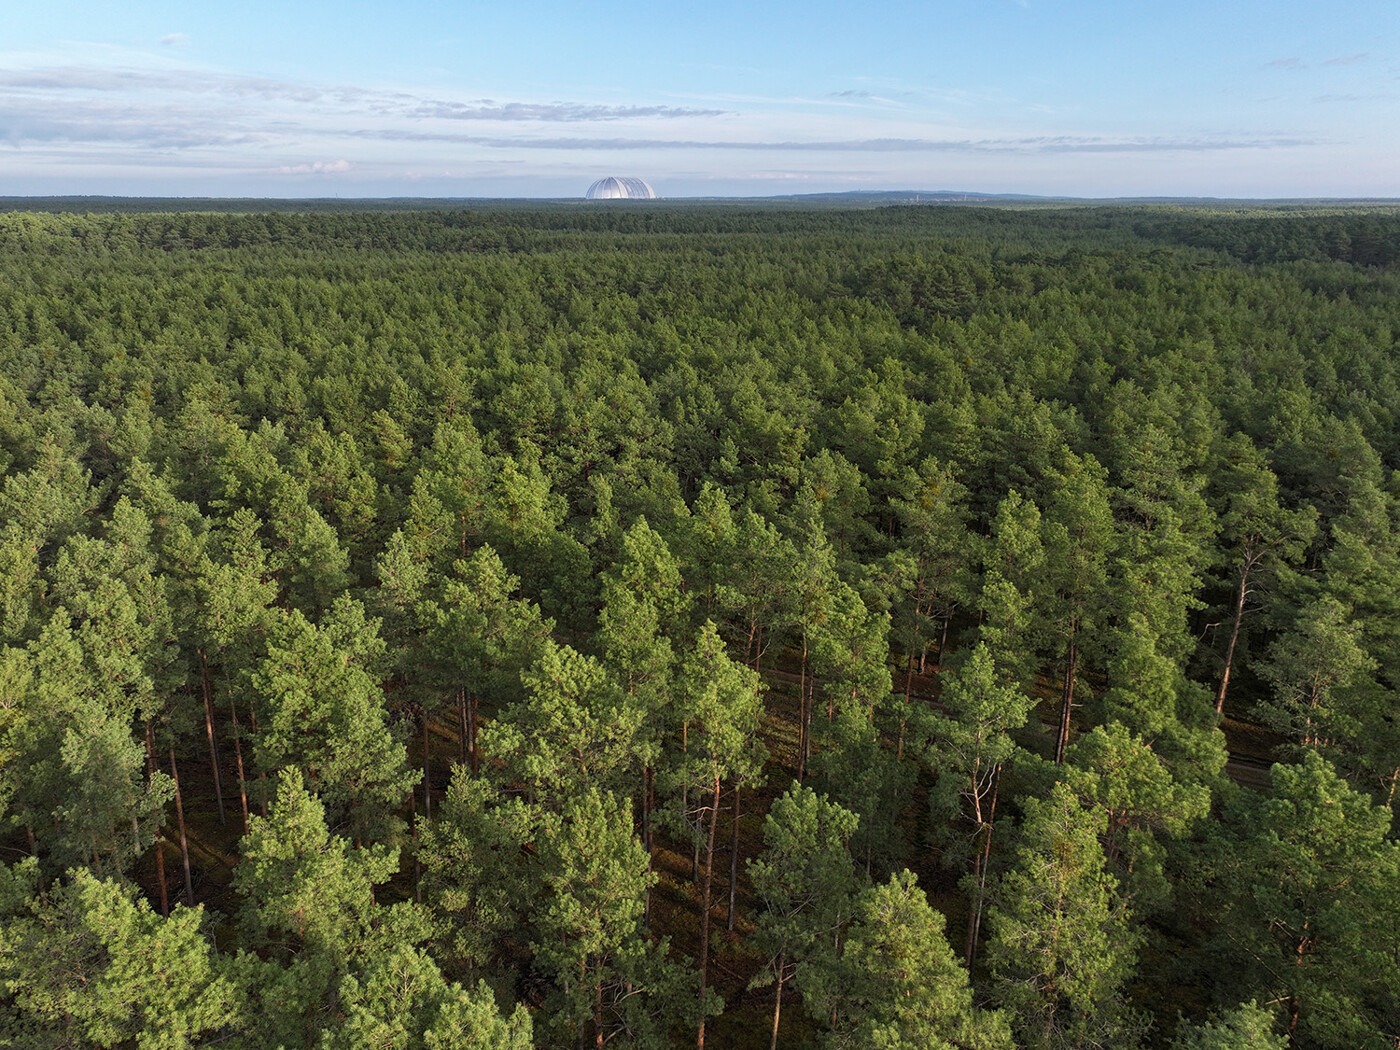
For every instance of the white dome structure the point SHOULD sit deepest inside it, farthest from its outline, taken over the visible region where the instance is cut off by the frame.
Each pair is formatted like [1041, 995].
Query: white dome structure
[614, 188]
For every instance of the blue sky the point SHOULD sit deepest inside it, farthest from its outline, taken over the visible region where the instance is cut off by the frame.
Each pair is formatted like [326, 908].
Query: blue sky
[1256, 98]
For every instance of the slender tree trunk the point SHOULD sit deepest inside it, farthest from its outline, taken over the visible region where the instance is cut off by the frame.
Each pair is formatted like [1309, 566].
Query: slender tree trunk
[981, 864]
[943, 639]
[647, 775]
[184, 840]
[802, 722]
[160, 874]
[463, 730]
[904, 712]
[778, 1002]
[473, 755]
[262, 776]
[427, 771]
[209, 730]
[705, 914]
[417, 860]
[1240, 593]
[598, 1015]
[811, 713]
[160, 835]
[238, 755]
[733, 859]
[1293, 1007]
[1067, 703]
[685, 802]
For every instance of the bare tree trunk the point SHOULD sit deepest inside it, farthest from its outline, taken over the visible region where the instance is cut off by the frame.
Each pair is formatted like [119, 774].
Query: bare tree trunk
[209, 730]
[598, 1015]
[778, 1002]
[160, 835]
[943, 639]
[981, 864]
[705, 914]
[463, 729]
[238, 755]
[427, 771]
[1240, 593]
[647, 774]
[803, 722]
[262, 777]
[1067, 703]
[904, 712]
[1293, 1007]
[184, 840]
[734, 859]
[473, 755]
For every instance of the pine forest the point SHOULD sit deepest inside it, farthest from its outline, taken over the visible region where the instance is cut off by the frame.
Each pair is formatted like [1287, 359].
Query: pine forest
[651, 624]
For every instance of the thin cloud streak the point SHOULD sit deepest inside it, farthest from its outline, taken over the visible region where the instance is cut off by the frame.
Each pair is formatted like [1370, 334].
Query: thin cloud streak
[1042, 144]
[70, 80]
[553, 112]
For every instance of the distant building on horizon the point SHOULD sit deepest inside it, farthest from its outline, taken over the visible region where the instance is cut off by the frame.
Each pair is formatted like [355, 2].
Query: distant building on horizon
[614, 188]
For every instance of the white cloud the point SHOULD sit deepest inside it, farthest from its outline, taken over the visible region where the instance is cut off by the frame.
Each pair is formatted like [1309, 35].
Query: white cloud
[175, 40]
[320, 167]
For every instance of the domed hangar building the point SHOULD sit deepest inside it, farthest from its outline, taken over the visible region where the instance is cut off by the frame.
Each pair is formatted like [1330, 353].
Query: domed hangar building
[613, 188]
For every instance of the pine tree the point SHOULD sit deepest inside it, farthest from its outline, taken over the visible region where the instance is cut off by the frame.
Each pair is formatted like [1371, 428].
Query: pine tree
[1302, 904]
[89, 964]
[302, 887]
[610, 977]
[896, 983]
[968, 751]
[806, 881]
[1062, 946]
[320, 709]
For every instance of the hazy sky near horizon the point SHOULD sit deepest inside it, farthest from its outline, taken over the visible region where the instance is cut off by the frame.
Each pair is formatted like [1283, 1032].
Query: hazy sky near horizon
[1229, 98]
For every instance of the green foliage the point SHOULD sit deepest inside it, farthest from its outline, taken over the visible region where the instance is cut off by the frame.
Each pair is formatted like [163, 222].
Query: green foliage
[1302, 894]
[805, 880]
[313, 475]
[1246, 1027]
[476, 874]
[89, 964]
[1311, 668]
[610, 978]
[302, 886]
[400, 1001]
[1062, 944]
[896, 983]
[1118, 773]
[575, 729]
[77, 779]
[968, 747]
[321, 711]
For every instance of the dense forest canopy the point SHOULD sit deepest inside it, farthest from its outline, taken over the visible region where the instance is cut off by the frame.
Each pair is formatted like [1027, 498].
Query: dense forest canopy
[636, 626]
